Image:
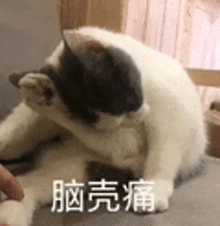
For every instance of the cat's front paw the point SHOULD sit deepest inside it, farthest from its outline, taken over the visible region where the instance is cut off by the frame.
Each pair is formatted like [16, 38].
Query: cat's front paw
[37, 90]
[13, 213]
[161, 193]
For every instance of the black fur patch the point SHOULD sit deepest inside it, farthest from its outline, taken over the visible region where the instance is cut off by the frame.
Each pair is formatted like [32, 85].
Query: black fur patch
[89, 81]
[48, 93]
[70, 91]
[107, 81]
[97, 170]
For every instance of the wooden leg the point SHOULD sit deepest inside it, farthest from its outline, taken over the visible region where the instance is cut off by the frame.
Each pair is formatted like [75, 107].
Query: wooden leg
[110, 14]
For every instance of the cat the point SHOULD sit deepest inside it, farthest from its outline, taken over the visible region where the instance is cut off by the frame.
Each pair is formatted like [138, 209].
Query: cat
[112, 100]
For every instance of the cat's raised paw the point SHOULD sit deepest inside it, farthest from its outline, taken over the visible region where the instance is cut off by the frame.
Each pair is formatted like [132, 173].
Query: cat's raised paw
[163, 190]
[37, 90]
[157, 200]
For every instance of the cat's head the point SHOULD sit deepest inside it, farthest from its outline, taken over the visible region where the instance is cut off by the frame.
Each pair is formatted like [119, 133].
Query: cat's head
[99, 83]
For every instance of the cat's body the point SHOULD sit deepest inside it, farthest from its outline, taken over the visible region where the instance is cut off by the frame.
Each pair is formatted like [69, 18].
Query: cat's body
[155, 127]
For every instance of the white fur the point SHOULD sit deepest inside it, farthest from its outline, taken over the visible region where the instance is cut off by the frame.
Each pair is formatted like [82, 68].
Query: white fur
[171, 126]
[53, 59]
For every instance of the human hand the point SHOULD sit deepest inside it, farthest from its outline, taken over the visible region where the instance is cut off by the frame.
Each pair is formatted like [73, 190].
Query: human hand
[8, 184]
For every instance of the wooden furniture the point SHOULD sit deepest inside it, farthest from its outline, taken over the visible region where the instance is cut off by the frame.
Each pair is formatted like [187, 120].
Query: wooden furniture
[110, 14]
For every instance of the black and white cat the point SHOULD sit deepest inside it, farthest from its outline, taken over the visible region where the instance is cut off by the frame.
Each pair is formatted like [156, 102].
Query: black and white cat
[111, 99]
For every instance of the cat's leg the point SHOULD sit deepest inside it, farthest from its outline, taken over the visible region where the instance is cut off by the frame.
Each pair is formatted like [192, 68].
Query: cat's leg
[64, 161]
[34, 88]
[22, 130]
[171, 136]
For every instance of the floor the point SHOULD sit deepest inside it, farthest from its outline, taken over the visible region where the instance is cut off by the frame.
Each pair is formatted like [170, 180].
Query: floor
[29, 31]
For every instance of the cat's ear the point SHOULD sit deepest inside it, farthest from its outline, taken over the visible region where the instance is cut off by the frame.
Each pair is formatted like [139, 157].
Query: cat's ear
[75, 40]
[15, 78]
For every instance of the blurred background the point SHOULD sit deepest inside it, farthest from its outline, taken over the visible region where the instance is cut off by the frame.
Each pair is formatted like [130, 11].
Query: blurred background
[188, 30]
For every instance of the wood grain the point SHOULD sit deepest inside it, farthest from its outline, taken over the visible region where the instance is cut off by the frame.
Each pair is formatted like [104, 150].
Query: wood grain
[136, 19]
[202, 77]
[154, 23]
[73, 14]
[184, 32]
[170, 27]
[104, 13]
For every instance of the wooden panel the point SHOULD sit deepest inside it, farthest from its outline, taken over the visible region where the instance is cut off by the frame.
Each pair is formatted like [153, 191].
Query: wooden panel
[103, 13]
[199, 31]
[216, 49]
[207, 49]
[201, 28]
[73, 13]
[154, 23]
[205, 79]
[202, 77]
[184, 31]
[210, 94]
[208, 5]
[216, 53]
[170, 27]
[136, 19]
[204, 34]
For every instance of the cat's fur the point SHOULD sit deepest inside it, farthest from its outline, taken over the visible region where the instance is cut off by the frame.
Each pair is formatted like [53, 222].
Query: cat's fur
[111, 99]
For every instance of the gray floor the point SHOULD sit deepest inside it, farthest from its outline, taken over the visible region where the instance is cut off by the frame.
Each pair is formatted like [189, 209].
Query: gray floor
[29, 31]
